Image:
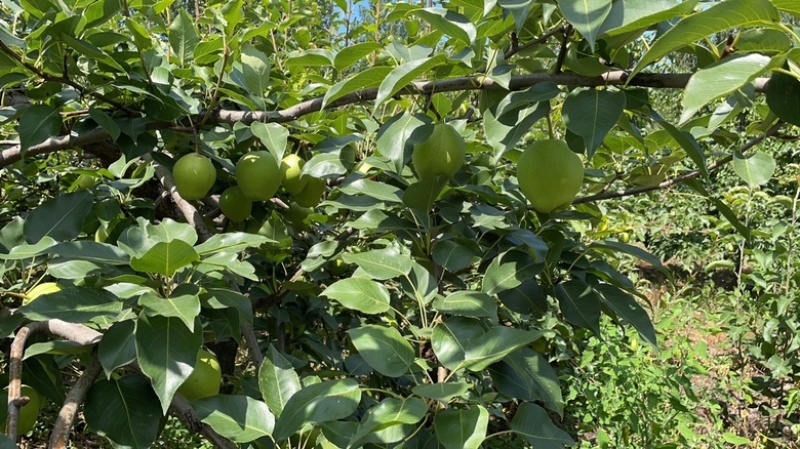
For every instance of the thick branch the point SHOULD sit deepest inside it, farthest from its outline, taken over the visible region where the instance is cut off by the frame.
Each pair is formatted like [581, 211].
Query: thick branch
[14, 154]
[66, 416]
[682, 178]
[618, 78]
[189, 212]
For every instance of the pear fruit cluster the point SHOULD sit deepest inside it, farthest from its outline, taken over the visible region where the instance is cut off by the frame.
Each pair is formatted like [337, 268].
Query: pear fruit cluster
[258, 176]
[305, 190]
[550, 175]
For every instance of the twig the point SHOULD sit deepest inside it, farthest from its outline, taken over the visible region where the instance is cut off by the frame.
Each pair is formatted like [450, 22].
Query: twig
[66, 416]
[562, 53]
[540, 40]
[678, 179]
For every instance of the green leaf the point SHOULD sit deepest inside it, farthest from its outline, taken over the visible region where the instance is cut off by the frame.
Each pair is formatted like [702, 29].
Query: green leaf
[37, 124]
[208, 50]
[755, 169]
[494, 345]
[381, 422]
[221, 298]
[720, 79]
[449, 22]
[91, 52]
[277, 381]
[166, 258]
[586, 16]
[362, 295]
[627, 17]
[105, 121]
[783, 97]
[452, 255]
[468, 303]
[721, 207]
[790, 6]
[626, 307]
[183, 37]
[231, 242]
[764, 41]
[537, 93]
[579, 304]
[461, 429]
[374, 189]
[450, 337]
[348, 56]
[318, 403]
[404, 74]
[381, 264]
[137, 240]
[533, 424]
[591, 113]
[184, 307]
[367, 79]
[509, 270]
[383, 348]
[397, 137]
[74, 305]
[301, 60]
[732, 438]
[526, 375]
[274, 136]
[167, 353]
[102, 253]
[687, 141]
[60, 218]
[716, 19]
[240, 419]
[505, 131]
[421, 194]
[130, 397]
[118, 347]
[256, 69]
[443, 392]
[518, 9]
[20, 252]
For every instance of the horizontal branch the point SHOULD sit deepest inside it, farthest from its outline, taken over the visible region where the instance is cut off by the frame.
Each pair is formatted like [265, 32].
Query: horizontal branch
[617, 78]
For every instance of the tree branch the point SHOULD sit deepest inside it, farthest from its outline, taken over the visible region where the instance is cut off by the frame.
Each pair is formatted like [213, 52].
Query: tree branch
[189, 212]
[59, 437]
[77, 333]
[194, 218]
[615, 78]
[682, 178]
